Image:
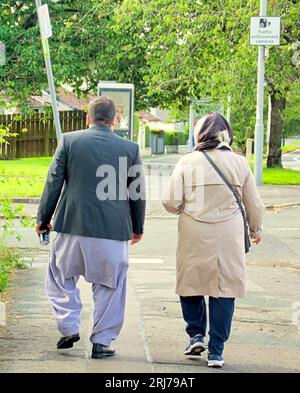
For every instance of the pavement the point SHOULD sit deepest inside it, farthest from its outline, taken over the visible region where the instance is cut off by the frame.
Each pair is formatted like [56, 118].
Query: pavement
[266, 328]
[265, 335]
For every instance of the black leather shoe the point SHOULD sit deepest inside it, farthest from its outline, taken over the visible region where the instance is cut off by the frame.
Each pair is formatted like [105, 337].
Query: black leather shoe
[101, 351]
[67, 342]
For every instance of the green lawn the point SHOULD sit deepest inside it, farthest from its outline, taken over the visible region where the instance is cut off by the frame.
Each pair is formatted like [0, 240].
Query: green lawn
[288, 148]
[25, 177]
[25, 167]
[279, 176]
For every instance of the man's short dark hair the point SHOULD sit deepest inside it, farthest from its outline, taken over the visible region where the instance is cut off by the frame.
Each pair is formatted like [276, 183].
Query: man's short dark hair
[102, 110]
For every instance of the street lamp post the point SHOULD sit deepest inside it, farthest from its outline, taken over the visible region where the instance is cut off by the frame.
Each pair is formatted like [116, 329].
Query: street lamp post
[46, 52]
[2, 54]
[259, 128]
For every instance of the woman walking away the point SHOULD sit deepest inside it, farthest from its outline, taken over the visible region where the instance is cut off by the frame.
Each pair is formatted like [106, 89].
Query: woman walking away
[213, 191]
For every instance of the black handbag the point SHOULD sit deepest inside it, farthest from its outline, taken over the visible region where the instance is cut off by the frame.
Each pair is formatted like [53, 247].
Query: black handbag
[238, 199]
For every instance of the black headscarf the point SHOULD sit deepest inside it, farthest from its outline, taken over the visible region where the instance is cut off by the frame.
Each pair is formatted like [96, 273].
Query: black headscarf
[210, 130]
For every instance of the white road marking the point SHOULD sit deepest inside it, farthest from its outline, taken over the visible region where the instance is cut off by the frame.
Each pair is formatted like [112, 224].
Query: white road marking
[286, 229]
[152, 261]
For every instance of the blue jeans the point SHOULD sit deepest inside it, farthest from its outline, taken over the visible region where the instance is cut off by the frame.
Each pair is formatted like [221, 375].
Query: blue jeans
[220, 318]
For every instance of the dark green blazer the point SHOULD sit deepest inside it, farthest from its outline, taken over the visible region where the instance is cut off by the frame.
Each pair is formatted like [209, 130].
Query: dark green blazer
[77, 192]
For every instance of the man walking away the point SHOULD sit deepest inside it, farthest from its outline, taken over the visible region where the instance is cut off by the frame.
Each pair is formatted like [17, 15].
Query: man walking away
[96, 186]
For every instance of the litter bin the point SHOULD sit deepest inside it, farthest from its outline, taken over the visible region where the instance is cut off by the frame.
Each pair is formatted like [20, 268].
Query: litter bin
[157, 142]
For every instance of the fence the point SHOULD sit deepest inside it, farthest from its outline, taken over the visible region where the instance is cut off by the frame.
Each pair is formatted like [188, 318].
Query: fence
[36, 135]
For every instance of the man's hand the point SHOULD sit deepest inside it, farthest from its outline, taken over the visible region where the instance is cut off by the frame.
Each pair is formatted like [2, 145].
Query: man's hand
[136, 238]
[39, 231]
[258, 239]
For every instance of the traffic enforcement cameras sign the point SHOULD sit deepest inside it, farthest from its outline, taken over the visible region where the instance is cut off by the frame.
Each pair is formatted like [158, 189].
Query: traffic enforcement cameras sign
[44, 20]
[265, 30]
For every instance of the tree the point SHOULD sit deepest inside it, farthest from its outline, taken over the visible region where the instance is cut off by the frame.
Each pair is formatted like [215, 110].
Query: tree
[173, 51]
[282, 74]
[80, 43]
[201, 48]
[291, 115]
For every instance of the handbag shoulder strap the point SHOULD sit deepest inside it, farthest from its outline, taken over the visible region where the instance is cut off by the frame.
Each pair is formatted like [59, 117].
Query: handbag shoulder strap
[227, 182]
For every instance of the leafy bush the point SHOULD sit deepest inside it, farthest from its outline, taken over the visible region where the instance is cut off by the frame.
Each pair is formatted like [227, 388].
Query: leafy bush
[9, 213]
[10, 260]
[147, 130]
[170, 138]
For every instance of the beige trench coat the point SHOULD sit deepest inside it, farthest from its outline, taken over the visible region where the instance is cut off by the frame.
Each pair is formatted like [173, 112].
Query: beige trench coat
[210, 250]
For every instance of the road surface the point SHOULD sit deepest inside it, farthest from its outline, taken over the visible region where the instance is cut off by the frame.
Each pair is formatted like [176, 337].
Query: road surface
[264, 338]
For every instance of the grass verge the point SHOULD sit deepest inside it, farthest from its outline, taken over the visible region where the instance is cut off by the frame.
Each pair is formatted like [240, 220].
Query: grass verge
[23, 177]
[289, 148]
[281, 177]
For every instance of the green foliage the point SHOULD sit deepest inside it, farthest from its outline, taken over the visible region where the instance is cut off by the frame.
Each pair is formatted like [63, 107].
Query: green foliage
[291, 115]
[6, 134]
[82, 40]
[173, 51]
[147, 137]
[10, 260]
[9, 213]
[170, 138]
[206, 53]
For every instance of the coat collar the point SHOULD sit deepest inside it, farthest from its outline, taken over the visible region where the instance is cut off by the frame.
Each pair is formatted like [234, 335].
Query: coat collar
[102, 128]
[224, 144]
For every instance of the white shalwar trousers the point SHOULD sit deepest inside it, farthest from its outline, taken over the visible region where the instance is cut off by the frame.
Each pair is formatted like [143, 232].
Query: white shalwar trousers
[102, 262]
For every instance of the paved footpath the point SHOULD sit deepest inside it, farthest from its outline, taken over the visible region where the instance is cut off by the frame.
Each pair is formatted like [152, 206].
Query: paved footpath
[265, 335]
[264, 339]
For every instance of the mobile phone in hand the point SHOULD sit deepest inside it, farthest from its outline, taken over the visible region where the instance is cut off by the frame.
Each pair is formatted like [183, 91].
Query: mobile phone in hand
[45, 238]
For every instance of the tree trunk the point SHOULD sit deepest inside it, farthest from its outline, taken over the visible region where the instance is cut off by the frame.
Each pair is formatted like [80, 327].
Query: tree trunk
[274, 155]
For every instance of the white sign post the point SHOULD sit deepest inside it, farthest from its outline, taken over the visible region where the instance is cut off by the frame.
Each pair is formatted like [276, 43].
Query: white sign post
[46, 32]
[265, 31]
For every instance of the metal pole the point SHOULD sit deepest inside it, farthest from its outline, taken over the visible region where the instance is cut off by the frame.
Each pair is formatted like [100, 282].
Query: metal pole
[192, 126]
[46, 52]
[269, 123]
[259, 128]
[229, 109]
